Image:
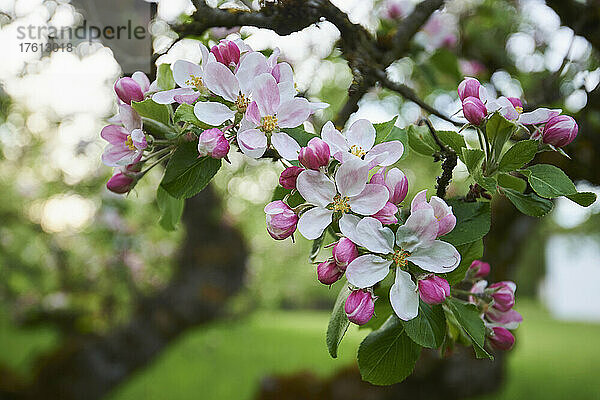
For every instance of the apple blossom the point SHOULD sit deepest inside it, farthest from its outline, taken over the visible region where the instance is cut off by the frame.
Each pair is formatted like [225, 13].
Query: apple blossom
[395, 181]
[441, 210]
[281, 220]
[126, 144]
[501, 338]
[359, 307]
[315, 155]
[212, 142]
[267, 115]
[479, 269]
[344, 252]
[328, 272]
[469, 87]
[134, 88]
[348, 193]
[415, 241]
[503, 295]
[474, 110]
[190, 79]
[359, 142]
[433, 289]
[288, 177]
[226, 52]
[387, 215]
[559, 131]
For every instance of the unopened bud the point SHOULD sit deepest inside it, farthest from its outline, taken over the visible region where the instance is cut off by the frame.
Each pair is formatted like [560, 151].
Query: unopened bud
[315, 155]
[344, 252]
[474, 110]
[359, 307]
[281, 220]
[560, 131]
[328, 272]
[288, 177]
[128, 90]
[501, 338]
[433, 289]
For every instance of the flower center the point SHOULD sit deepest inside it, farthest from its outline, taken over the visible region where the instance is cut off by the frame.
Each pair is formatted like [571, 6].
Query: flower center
[400, 257]
[269, 123]
[357, 151]
[129, 143]
[519, 109]
[195, 81]
[242, 103]
[340, 204]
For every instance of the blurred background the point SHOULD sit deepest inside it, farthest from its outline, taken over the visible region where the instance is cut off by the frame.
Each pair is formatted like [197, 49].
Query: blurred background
[98, 301]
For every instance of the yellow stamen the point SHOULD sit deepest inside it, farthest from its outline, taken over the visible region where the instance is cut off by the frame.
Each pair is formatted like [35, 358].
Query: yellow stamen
[340, 204]
[269, 123]
[519, 109]
[196, 82]
[399, 258]
[242, 103]
[129, 143]
[357, 151]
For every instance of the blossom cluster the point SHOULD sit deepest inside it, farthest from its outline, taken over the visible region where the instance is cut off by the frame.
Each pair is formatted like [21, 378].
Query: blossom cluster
[549, 126]
[496, 301]
[350, 191]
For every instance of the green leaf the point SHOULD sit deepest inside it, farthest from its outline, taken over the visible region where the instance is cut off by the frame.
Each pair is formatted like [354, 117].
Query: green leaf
[446, 62]
[185, 113]
[338, 323]
[149, 109]
[487, 182]
[170, 208]
[429, 327]
[164, 76]
[472, 221]
[472, 159]
[421, 141]
[300, 135]
[529, 204]
[469, 318]
[387, 355]
[454, 140]
[158, 129]
[549, 181]
[469, 252]
[512, 182]
[186, 174]
[585, 199]
[383, 130]
[518, 155]
[498, 130]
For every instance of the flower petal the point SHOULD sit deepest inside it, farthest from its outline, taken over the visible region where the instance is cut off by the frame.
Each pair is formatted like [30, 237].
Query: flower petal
[372, 199]
[314, 221]
[372, 235]
[333, 138]
[220, 80]
[439, 257]
[386, 153]
[351, 177]
[419, 230]
[367, 270]
[348, 224]
[118, 155]
[168, 96]
[251, 65]
[293, 113]
[538, 116]
[315, 187]
[266, 94]
[361, 133]
[404, 297]
[419, 202]
[213, 113]
[184, 70]
[129, 117]
[114, 134]
[285, 145]
[252, 142]
[142, 80]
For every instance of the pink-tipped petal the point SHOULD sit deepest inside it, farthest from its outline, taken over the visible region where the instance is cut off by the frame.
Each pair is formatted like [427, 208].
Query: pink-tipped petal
[361, 133]
[220, 80]
[252, 142]
[315, 187]
[285, 145]
[372, 199]
[213, 113]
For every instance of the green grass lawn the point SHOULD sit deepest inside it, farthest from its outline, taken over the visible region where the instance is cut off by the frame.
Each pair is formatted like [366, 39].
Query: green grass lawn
[552, 360]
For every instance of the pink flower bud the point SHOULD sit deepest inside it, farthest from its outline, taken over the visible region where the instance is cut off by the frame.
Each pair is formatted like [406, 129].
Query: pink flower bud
[120, 183]
[281, 220]
[387, 215]
[288, 177]
[344, 252]
[479, 269]
[501, 338]
[474, 110]
[433, 289]
[315, 154]
[328, 272]
[359, 307]
[226, 52]
[560, 131]
[509, 320]
[212, 142]
[395, 181]
[443, 213]
[128, 89]
[504, 295]
[469, 87]
[517, 103]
